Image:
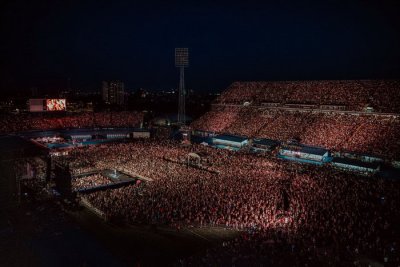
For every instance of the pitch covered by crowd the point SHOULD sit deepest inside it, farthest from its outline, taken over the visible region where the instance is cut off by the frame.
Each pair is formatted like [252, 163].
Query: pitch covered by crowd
[304, 212]
[90, 181]
[288, 214]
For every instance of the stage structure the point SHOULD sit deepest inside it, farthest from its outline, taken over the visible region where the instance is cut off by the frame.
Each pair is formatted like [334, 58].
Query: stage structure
[182, 62]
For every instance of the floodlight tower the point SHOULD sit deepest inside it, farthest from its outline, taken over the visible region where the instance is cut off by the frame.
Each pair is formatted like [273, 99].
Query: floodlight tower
[182, 62]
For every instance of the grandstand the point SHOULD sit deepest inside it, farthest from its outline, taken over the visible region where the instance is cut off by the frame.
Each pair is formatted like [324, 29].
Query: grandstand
[353, 95]
[356, 116]
[31, 122]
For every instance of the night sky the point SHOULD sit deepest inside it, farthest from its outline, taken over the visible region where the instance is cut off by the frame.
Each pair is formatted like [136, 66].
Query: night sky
[43, 43]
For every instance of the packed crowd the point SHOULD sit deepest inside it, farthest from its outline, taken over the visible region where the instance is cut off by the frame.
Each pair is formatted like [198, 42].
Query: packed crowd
[89, 181]
[335, 220]
[356, 95]
[372, 134]
[288, 214]
[314, 213]
[31, 121]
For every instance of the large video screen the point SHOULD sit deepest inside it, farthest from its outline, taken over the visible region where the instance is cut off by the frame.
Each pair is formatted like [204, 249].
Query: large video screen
[56, 104]
[36, 105]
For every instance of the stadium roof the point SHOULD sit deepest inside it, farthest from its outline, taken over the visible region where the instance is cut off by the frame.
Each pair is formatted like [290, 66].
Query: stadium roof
[265, 142]
[354, 162]
[307, 149]
[231, 138]
[314, 150]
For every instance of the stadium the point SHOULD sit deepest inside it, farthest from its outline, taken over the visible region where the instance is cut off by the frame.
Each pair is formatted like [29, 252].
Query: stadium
[295, 173]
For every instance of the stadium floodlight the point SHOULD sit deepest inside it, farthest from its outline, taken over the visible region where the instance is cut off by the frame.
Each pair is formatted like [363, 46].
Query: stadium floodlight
[182, 61]
[181, 57]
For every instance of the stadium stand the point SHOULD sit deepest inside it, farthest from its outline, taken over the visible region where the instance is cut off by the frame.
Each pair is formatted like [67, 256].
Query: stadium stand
[356, 95]
[29, 121]
[355, 129]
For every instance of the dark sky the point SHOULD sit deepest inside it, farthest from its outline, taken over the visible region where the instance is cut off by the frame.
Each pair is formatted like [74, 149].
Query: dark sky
[43, 43]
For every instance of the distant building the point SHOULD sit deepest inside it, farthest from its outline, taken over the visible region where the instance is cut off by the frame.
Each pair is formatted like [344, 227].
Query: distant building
[113, 92]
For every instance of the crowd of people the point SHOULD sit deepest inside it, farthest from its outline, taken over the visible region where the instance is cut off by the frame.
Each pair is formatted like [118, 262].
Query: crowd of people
[10, 123]
[89, 181]
[332, 217]
[372, 134]
[381, 95]
[315, 213]
[288, 214]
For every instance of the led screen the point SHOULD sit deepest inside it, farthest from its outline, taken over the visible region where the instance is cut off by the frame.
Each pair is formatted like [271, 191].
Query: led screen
[56, 104]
